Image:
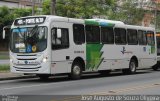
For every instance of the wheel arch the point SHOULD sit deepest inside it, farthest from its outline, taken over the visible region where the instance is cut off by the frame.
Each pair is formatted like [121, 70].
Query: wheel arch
[135, 59]
[81, 61]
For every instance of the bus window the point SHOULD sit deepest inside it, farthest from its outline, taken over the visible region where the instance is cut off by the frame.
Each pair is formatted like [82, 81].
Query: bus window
[78, 33]
[107, 35]
[142, 39]
[132, 37]
[92, 34]
[120, 36]
[150, 38]
[62, 41]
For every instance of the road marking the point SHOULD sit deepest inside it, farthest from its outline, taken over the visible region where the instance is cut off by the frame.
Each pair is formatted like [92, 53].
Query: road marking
[116, 91]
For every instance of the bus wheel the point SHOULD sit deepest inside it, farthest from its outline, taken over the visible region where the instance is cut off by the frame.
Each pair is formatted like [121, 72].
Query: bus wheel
[76, 71]
[132, 68]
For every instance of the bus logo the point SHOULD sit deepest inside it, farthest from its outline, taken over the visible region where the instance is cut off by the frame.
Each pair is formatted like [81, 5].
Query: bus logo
[123, 51]
[26, 62]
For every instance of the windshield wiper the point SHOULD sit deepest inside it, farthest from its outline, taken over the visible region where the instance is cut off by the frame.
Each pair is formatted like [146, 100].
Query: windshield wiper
[34, 30]
[19, 30]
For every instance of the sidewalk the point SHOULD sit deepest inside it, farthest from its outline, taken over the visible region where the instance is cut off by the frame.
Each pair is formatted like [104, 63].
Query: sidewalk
[12, 76]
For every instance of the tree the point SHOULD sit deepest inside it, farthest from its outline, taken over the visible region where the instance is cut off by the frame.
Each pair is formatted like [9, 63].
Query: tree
[128, 12]
[7, 16]
[78, 8]
[53, 7]
[83, 8]
[46, 7]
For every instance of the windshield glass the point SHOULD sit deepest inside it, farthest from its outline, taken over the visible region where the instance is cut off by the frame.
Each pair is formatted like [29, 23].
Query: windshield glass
[29, 40]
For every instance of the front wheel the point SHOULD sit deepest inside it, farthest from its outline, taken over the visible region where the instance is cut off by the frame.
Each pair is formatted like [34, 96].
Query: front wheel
[76, 71]
[132, 68]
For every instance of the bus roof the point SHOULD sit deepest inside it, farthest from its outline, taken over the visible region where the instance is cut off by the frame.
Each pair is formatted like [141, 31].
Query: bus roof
[101, 22]
[108, 21]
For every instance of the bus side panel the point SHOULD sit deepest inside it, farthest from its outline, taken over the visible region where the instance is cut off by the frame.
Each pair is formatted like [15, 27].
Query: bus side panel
[113, 57]
[147, 57]
[62, 59]
[59, 61]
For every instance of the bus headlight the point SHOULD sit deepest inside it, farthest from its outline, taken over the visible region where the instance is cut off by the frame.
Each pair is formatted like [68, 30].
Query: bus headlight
[45, 59]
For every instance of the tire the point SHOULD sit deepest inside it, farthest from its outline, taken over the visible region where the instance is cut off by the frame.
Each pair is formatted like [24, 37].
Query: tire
[132, 68]
[76, 71]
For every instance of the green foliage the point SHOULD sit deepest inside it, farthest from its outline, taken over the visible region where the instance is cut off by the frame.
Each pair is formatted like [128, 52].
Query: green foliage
[83, 8]
[128, 13]
[46, 7]
[21, 12]
[4, 68]
[7, 16]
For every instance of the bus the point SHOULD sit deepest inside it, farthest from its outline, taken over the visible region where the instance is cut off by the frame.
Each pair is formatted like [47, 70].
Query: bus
[157, 66]
[46, 45]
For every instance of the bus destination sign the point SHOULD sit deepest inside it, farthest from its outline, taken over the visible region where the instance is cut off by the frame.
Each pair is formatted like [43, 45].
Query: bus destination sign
[30, 21]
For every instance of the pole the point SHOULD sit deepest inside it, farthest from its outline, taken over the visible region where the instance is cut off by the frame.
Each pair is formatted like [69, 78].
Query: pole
[33, 5]
[155, 18]
[53, 7]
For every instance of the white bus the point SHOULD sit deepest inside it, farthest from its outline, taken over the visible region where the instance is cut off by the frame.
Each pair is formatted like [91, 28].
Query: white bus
[46, 45]
[157, 66]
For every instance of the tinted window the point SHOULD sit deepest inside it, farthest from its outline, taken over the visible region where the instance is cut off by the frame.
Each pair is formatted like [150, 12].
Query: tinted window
[60, 41]
[107, 35]
[132, 36]
[142, 39]
[92, 34]
[120, 36]
[150, 38]
[78, 33]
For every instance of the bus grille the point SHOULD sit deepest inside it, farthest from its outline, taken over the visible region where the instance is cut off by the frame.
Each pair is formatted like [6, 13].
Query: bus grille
[27, 69]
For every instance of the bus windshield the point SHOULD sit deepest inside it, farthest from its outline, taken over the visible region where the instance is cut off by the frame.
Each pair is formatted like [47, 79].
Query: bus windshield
[28, 40]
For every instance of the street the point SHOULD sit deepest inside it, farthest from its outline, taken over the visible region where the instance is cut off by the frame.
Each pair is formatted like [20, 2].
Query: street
[145, 82]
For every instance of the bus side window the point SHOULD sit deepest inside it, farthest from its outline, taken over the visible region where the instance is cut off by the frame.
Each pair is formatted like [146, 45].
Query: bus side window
[132, 36]
[120, 36]
[60, 41]
[92, 34]
[142, 39]
[107, 35]
[78, 33]
[150, 38]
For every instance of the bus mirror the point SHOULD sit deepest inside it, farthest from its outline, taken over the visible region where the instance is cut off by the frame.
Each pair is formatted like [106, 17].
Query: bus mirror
[4, 33]
[59, 33]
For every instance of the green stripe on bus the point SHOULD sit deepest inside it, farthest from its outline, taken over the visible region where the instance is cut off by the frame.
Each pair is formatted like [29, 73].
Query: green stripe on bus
[90, 22]
[93, 56]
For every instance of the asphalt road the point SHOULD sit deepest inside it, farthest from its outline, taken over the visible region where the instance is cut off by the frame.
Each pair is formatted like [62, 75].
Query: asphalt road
[144, 82]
